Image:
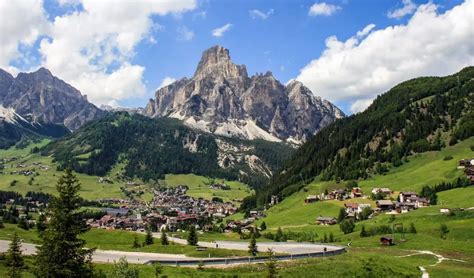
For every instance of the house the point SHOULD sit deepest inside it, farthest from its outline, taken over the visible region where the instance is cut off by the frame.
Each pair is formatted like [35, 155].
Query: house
[311, 199]
[338, 194]
[385, 205]
[322, 220]
[356, 192]
[404, 196]
[385, 240]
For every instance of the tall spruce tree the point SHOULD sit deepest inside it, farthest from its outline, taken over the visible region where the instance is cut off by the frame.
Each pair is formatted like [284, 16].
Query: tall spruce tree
[14, 259]
[62, 253]
[164, 238]
[253, 250]
[148, 237]
[192, 236]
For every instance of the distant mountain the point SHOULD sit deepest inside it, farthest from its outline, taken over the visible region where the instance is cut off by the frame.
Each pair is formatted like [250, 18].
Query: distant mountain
[150, 148]
[40, 98]
[419, 115]
[220, 98]
[14, 128]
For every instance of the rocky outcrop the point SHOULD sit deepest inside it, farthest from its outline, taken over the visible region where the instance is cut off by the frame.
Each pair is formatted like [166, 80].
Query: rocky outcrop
[42, 98]
[221, 98]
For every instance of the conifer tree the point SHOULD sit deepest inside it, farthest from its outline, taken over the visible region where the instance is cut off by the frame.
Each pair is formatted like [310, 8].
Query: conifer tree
[192, 236]
[164, 239]
[14, 259]
[271, 265]
[148, 237]
[135, 242]
[41, 223]
[62, 253]
[253, 250]
[279, 235]
[363, 232]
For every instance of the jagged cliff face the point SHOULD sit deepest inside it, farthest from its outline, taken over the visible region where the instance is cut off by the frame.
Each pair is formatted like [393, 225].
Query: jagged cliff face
[42, 98]
[221, 98]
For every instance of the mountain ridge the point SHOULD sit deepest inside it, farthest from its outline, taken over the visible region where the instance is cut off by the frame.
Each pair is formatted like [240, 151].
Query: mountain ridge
[221, 98]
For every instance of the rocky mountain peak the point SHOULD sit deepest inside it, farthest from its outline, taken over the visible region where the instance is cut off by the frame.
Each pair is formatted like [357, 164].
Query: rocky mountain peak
[43, 98]
[216, 62]
[223, 100]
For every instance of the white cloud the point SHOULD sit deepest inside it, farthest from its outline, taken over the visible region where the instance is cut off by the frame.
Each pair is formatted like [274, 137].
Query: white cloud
[358, 69]
[166, 81]
[93, 48]
[22, 22]
[201, 14]
[364, 32]
[219, 32]
[257, 14]
[360, 105]
[408, 8]
[323, 8]
[185, 34]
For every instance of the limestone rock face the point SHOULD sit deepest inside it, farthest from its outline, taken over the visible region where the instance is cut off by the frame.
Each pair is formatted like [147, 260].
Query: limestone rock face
[221, 98]
[42, 98]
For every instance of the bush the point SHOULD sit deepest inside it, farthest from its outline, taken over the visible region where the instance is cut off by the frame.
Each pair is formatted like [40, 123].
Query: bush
[448, 157]
[347, 226]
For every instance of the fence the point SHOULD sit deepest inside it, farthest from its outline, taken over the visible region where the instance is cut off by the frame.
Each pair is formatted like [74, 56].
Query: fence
[243, 260]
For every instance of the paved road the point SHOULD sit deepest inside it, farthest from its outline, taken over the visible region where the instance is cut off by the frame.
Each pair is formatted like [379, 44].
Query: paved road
[108, 256]
[278, 247]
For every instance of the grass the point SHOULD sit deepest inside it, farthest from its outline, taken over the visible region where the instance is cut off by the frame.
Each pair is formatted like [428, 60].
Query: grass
[199, 187]
[90, 186]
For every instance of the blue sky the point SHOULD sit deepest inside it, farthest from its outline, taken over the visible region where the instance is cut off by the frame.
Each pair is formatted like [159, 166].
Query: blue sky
[281, 36]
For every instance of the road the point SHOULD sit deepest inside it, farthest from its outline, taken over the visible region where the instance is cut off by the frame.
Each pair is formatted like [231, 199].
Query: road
[277, 247]
[109, 256]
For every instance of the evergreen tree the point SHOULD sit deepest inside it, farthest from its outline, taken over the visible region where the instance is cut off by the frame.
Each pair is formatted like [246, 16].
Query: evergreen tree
[443, 229]
[347, 226]
[271, 265]
[41, 223]
[253, 250]
[135, 242]
[331, 237]
[14, 259]
[164, 239]
[325, 238]
[62, 253]
[192, 236]
[23, 224]
[200, 266]
[263, 226]
[122, 269]
[148, 237]
[342, 215]
[279, 235]
[412, 228]
[158, 269]
[363, 232]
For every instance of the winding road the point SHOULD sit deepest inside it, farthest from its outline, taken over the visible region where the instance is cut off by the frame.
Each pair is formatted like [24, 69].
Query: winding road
[298, 250]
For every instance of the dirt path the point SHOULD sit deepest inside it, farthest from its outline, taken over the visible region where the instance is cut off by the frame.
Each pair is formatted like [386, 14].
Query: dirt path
[440, 258]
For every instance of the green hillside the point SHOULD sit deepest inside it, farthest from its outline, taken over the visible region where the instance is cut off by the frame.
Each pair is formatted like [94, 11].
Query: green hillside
[151, 148]
[422, 169]
[91, 188]
[417, 116]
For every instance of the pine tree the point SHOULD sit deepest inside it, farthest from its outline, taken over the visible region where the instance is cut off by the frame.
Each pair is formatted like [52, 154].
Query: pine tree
[363, 232]
[342, 215]
[263, 226]
[158, 269]
[14, 259]
[331, 237]
[412, 228]
[135, 242]
[325, 238]
[200, 266]
[253, 250]
[271, 265]
[192, 236]
[62, 253]
[41, 223]
[148, 237]
[279, 235]
[164, 239]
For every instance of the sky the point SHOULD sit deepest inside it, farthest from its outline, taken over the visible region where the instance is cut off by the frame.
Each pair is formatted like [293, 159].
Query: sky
[346, 51]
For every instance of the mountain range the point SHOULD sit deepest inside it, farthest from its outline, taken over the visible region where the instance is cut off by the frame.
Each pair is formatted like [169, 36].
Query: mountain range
[222, 99]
